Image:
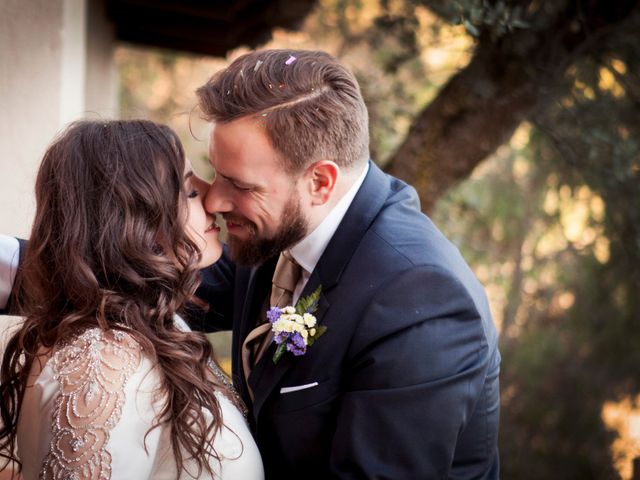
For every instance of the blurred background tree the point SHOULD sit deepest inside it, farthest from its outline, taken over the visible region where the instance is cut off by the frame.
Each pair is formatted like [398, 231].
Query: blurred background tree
[518, 123]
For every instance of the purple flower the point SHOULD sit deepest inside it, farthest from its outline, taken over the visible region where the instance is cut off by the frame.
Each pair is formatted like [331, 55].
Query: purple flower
[281, 337]
[296, 350]
[296, 345]
[273, 314]
[297, 340]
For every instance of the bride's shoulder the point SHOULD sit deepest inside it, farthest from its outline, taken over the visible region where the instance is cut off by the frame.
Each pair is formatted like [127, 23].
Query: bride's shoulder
[97, 355]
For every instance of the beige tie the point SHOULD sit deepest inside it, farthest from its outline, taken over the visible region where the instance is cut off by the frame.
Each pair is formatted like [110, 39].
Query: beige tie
[285, 278]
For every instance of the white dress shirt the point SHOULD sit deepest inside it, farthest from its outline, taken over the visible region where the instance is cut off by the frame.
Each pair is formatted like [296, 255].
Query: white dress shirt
[307, 252]
[9, 256]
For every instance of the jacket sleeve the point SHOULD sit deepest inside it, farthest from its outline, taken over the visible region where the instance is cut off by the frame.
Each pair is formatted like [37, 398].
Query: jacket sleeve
[216, 291]
[10, 252]
[417, 368]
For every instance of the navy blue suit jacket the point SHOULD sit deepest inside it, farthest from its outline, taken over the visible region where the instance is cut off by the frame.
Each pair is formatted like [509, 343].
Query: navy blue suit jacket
[407, 370]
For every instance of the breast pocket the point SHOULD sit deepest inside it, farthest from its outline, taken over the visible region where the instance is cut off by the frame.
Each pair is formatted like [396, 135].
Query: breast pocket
[294, 397]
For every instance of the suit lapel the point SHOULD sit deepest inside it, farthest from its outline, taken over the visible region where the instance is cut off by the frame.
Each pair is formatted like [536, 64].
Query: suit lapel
[365, 206]
[265, 376]
[257, 288]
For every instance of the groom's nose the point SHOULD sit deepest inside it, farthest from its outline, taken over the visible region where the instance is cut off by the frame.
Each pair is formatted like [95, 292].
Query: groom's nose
[217, 199]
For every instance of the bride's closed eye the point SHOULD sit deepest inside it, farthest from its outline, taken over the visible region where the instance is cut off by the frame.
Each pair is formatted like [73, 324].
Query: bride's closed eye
[193, 185]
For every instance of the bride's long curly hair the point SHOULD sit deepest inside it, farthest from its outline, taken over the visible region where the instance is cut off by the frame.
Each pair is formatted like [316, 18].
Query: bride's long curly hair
[108, 249]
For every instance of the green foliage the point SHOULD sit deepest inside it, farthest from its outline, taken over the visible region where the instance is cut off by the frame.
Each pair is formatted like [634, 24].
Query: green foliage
[282, 348]
[479, 16]
[320, 330]
[309, 304]
[398, 45]
[570, 315]
[561, 362]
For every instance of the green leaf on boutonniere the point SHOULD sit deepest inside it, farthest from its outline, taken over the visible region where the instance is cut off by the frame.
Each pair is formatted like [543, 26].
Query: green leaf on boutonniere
[320, 329]
[309, 304]
[279, 352]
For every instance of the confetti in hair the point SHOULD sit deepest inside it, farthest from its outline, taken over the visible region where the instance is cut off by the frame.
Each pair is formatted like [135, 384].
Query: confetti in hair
[258, 63]
[290, 60]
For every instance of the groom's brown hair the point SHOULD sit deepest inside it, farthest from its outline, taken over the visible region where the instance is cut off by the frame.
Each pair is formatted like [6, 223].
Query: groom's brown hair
[310, 105]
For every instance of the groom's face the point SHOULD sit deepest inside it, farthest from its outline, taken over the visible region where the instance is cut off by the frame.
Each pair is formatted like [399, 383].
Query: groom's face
[262, 205]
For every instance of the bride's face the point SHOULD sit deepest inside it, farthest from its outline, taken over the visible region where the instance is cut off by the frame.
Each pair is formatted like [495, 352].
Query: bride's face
[201, 226]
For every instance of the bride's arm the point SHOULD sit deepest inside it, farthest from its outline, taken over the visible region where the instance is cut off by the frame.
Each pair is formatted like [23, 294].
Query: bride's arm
[99, 423]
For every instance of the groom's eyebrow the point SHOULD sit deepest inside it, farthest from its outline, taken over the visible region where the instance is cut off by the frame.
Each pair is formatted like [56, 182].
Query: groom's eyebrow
[188, 174]
[236, 181]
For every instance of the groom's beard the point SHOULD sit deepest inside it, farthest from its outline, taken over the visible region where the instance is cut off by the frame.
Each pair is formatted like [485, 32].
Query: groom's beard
[256, 250]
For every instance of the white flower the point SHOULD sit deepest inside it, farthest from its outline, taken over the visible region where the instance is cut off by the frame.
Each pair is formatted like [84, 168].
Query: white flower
[309, 320]
[312, 332]
[298, 319]
[289, 310]
[282, 325]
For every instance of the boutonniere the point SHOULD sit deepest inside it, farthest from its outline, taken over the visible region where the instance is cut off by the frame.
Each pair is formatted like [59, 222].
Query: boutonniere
[295, 328]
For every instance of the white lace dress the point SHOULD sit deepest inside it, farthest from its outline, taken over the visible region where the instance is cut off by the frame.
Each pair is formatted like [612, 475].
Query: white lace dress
[87, 412]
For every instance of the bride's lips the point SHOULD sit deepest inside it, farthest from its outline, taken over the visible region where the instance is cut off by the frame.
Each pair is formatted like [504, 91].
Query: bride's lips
[214, 227]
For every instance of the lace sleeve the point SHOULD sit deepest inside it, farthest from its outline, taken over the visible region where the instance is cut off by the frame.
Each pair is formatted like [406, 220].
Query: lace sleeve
[92, 372]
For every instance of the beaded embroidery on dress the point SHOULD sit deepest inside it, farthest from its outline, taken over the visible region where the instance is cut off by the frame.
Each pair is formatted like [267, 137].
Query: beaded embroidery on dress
[92, 371]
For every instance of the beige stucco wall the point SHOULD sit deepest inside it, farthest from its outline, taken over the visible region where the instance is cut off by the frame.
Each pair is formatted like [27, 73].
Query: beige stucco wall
[101, 89]
[56, 65]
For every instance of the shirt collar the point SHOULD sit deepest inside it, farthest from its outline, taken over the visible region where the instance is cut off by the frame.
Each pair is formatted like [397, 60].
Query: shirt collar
[307, 252]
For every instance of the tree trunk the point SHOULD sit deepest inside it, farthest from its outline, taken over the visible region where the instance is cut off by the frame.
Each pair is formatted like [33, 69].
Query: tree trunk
[481, 106]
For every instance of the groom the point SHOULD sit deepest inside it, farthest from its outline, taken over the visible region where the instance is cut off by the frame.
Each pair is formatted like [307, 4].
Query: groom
[403, 384]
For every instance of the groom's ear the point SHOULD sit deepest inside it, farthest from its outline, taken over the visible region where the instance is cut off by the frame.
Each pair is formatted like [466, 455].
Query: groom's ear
[322, 177]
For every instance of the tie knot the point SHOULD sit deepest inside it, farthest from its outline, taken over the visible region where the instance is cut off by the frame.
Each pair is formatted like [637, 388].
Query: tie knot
[285, 279]
[287, 273]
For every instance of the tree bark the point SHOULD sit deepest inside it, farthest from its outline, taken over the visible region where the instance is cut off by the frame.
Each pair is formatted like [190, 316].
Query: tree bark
[482, 105]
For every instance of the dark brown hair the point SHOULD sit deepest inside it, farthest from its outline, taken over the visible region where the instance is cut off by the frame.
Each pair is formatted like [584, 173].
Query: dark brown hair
[311, 105]
[108, 249]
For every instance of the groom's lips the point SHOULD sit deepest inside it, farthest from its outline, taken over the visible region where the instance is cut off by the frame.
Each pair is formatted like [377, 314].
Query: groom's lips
[233, 225]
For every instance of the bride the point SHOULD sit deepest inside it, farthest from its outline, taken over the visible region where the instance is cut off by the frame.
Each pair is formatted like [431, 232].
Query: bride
[104, 380]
